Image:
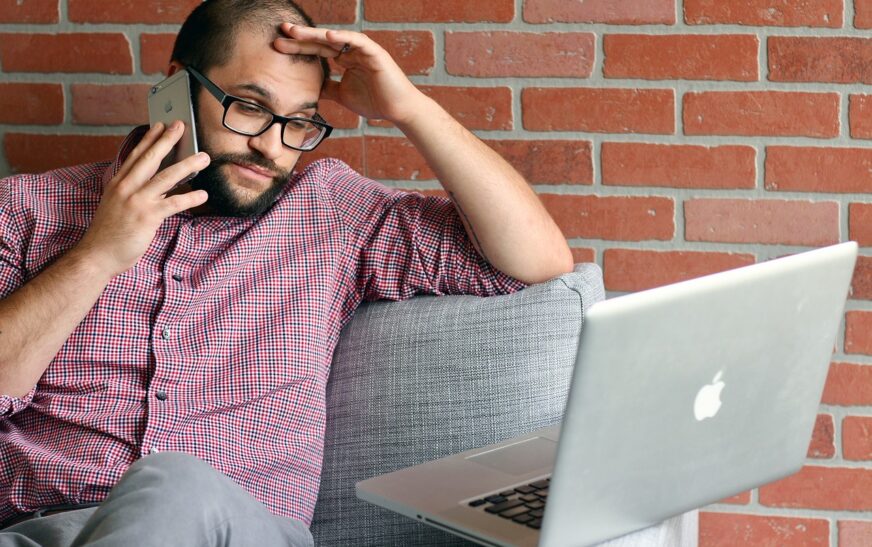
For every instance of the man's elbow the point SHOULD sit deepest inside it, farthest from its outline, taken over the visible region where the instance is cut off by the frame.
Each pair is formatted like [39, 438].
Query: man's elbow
[558, 264]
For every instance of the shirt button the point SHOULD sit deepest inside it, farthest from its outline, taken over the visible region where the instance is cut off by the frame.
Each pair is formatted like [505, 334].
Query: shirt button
[153, 451]
[165, 334]
[177, 277]
[161, 395]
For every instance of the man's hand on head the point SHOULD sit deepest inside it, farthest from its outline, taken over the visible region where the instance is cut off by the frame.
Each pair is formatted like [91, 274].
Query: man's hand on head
[373, 85]
[135, 201]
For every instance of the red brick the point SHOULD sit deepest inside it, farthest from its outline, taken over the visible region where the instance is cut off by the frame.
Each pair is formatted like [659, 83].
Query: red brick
[820, 59]
[488, 108]
[822, 445]
[394, 158]
[413, 50]
[739, 499]
[444, 11]
[29, 11]
[599, 110]
[531, 54]
[71, 52]
[348, 149]
[130, 11]
[635, 270]
[121, 104]
[584, 254]
[861, 286]
[29, 153]
[337, 115]
[616, 12]
[155, 51]
[863, 13]
[857, 438]
[31, 103]
[616, 218]
[334, 12]
[808, 169]
[848, 385]
[834, 488]
[858, 332]
[860, 116]
[855, 533]
[762, 221]
[729, 530]
[860, 223]
[681, 57]
[766, 113]
[765, 13]
[548, 161]
[678, 166]
[540, 162]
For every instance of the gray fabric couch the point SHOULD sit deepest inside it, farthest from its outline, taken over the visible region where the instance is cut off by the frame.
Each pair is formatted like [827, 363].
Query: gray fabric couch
[417, 380]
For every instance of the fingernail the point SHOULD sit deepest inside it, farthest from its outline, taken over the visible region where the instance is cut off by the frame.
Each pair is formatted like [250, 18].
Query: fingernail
[176, 125]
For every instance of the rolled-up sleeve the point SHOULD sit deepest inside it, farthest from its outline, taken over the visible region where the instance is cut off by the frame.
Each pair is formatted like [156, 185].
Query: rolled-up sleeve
[408, 243]
[11, 275]
[11, 405]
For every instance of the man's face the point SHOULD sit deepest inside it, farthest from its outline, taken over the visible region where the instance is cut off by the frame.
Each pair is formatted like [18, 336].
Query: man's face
[247, 173]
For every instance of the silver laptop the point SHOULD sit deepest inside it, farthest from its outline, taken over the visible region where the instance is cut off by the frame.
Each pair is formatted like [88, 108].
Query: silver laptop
[681, 396]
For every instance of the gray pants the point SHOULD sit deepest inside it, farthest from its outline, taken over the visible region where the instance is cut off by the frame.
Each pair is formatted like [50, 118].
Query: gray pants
[165, 499]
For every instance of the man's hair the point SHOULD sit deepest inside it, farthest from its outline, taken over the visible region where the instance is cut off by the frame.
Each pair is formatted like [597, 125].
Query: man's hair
[208, 36]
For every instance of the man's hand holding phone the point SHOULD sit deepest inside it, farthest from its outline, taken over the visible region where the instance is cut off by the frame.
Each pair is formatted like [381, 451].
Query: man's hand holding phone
[135, 202]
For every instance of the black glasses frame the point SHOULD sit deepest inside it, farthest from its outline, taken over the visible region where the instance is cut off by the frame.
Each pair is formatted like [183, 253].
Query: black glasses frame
[226, 100]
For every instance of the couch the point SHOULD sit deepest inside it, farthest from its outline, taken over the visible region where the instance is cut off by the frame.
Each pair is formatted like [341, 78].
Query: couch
[417, 380]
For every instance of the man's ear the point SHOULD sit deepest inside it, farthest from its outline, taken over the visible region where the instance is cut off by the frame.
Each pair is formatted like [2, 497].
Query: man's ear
[174, 67]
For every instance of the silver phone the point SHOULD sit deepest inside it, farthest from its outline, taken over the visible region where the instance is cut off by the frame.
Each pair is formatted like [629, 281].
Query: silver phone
[170, 100]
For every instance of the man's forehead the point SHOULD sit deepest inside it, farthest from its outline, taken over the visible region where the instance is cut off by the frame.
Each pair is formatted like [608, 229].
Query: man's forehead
[272, 97]
[255, 66]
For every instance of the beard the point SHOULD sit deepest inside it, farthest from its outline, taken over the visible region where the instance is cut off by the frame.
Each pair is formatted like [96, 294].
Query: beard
[222, 199]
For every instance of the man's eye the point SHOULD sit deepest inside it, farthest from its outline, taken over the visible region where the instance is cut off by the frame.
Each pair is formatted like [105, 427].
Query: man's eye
[249, 108]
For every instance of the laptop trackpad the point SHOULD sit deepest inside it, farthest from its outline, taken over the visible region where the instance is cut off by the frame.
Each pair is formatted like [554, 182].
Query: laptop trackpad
[519, 458]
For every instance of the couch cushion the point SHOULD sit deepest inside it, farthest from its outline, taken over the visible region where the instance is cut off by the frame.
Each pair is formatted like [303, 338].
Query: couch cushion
[424, 378]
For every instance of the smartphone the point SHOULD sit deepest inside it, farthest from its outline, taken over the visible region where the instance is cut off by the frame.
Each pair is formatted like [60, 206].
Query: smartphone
[170, 100]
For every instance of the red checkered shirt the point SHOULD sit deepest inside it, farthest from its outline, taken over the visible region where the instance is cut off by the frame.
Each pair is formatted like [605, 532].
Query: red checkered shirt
[218, 342]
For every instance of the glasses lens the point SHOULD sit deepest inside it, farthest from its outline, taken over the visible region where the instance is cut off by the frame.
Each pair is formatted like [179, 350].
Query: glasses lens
[302, 134]
[252, 119]
[246, 118]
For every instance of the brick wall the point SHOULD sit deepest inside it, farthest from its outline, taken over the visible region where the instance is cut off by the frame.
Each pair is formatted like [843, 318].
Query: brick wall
[669, 138]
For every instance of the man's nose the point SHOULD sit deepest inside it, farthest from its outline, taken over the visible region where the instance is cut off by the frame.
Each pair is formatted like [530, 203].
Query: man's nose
[268, 143]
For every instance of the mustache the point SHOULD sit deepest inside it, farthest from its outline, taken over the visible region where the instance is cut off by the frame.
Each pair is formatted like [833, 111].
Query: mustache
[251, 158]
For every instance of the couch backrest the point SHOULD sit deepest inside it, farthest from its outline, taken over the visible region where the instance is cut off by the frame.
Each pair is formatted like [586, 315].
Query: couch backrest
[424, 378]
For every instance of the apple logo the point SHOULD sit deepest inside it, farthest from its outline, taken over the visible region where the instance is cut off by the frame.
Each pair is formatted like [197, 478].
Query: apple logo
[168, 107]
[708, 399]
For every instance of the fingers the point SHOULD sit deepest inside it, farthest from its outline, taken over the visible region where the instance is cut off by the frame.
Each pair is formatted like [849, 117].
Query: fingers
[147, 140]
[336, 41]
[182, 202]
[148, 162]
[167, 179]
[295, 47]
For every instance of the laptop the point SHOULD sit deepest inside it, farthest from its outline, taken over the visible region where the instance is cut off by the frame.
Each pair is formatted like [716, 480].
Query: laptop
[681, 396]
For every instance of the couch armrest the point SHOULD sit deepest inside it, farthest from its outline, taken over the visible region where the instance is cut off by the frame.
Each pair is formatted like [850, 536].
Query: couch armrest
[424, 378]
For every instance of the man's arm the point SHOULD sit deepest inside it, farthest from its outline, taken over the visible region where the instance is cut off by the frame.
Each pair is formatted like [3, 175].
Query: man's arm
[37, 319]
[503, 216]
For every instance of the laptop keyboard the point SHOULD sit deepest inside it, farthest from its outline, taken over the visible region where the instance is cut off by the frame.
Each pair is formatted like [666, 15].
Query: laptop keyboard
[524, 504]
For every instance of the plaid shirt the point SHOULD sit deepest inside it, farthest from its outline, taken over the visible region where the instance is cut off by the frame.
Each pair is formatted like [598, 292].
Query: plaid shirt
[218, 342]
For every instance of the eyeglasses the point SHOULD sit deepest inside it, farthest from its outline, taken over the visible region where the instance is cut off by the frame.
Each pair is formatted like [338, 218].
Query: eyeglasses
[248, 118]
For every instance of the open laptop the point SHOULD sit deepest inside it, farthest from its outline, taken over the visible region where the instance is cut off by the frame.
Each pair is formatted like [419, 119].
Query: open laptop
[681, 396]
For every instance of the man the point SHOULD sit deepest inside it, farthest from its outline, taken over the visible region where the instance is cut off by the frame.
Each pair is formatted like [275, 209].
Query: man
[164, 350]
